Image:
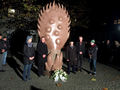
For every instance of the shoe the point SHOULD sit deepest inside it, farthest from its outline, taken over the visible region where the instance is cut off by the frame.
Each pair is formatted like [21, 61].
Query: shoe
[2, 70]
[29, 78]
[4, 64]
[68, 73]
[74, 72]
[25, 80]
[43, 74]
[94, 74]
[90, 73]
[39, 76]
[80, 70]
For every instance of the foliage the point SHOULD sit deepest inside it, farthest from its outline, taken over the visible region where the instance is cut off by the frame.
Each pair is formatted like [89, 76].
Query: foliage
[59, 75]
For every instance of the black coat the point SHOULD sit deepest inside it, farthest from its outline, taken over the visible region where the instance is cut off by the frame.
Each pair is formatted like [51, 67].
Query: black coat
[28, 52]
[6, 45]
[72, 55]
[1, 46]
[41, 49]
[93, 52]
[80, 47]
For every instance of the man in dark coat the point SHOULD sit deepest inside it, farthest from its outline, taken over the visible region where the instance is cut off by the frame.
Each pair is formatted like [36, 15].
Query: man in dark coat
[2, 50]
[93, 57]
[80, 52]
[71, 57]
[29, 55]
[42, 52]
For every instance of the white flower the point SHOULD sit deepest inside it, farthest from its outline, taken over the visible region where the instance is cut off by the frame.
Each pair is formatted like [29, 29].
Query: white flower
[56, 78]
[63, 78]
[59, 74]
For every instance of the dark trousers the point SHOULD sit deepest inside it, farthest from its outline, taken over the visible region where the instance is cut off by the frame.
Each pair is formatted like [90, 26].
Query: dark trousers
[93, 65]
[80, 59]
[69, 68]
[26, 71]
[1, 61]
[41, 68]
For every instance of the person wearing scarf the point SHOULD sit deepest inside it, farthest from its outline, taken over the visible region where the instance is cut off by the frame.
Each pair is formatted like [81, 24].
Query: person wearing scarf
[93, 57]
[29, 54]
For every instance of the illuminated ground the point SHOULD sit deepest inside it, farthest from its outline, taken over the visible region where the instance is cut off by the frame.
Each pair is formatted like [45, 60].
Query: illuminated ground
[107, 77]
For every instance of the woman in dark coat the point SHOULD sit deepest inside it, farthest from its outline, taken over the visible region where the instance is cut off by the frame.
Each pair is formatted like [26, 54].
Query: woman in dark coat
[71, 57]
[29, 54]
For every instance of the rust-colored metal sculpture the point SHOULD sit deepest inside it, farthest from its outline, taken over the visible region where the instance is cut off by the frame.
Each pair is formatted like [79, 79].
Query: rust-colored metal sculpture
[54, 25]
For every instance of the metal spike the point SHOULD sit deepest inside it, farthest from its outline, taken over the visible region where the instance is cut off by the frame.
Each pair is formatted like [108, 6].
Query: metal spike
[50, 5]
[47, 6]
[54, 4]
[62, 6]
[38, 26]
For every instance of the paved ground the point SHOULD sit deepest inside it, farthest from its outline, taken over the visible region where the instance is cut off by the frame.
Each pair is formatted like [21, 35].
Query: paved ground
[107, 77]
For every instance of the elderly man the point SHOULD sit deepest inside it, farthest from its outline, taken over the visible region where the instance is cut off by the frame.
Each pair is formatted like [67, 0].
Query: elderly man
[80, 51]
[71, 57]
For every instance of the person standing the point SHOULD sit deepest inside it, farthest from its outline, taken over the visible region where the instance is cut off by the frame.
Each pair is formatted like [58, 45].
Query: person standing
[6, 47]
[93, 57]
[71, 57]
[29, 54]
[80, 51]
[42, 52]
[2, 50]
[107, 52]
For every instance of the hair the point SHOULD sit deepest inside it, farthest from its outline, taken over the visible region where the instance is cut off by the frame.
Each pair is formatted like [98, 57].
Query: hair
[80, 36]
[70, 42]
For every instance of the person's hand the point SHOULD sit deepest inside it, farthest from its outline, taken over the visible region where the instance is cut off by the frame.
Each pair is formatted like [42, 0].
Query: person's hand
[68, 60]
[90, 55]
[81, 52]
[44, 55]
[33, 57]
[30, 58]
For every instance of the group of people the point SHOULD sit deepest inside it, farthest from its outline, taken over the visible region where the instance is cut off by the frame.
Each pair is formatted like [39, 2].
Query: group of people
[4, 46]
[75, 53]
[109, 53]
[29, 57]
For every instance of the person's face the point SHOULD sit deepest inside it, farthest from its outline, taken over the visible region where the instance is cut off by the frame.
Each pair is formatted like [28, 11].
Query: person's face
[30, 40]
[71, 43]
[108, 41]
[0, 37]
[43, 40]
[5, 39]
[81, 39]
[92, 43]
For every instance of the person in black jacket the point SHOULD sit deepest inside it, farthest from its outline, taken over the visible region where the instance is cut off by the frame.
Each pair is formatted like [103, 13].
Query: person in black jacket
[80, 51]
[93, 57]
[6, 47]
[2, 50]
[29, 54]
[42, 52]
[71, 57]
